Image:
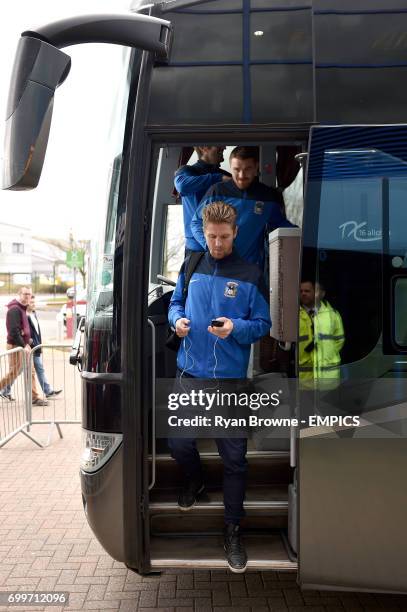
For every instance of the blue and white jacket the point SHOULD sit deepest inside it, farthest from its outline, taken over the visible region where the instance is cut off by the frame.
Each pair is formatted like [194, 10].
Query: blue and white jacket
[192, 182]
[258, 207]
[228, 287]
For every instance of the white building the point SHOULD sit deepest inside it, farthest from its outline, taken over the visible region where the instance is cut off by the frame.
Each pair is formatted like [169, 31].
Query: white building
[15, 254]
[25, 259]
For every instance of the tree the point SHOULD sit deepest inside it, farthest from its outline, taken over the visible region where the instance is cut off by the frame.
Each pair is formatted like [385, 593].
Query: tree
[68, 245]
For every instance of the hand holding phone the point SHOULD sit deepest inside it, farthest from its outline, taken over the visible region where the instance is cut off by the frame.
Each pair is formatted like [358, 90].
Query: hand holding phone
[216, 323]
[221, 327]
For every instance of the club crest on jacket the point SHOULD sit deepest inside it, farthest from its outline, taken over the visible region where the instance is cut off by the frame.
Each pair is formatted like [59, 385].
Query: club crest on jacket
[231, 289]
[258, 208]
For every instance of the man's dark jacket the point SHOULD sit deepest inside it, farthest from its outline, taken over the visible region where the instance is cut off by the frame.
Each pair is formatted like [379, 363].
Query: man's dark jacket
[35, 336]
[18, 327]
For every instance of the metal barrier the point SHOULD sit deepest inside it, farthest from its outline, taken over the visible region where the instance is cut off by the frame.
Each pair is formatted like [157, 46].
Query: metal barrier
[27, 381]
[64, 408]
[14, 375]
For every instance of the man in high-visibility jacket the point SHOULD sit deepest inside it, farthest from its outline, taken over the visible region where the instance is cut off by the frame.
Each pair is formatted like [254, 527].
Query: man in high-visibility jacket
[321, 338]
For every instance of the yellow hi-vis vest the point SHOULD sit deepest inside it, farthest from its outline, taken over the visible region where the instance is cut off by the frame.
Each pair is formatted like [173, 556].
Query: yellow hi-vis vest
[321, 365]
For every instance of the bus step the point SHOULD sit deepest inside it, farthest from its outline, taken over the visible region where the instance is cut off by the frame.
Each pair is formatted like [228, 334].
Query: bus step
[264, 469]
[265, 552]
[266, 508]
[261, 500]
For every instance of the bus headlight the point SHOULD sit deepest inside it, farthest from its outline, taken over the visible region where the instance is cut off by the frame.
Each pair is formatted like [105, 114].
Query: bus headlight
[97, 448]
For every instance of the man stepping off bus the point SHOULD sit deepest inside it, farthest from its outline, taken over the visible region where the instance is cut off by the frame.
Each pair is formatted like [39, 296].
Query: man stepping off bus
[192, 182]
[231, 291]
[258, 206]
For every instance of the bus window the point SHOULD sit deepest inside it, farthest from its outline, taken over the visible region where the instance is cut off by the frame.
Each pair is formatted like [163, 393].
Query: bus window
[349, 247]
[174, 242]
[357, 203]
[107, 252]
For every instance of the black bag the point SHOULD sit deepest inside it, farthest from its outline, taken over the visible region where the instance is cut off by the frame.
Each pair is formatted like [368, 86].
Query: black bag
[173, 341]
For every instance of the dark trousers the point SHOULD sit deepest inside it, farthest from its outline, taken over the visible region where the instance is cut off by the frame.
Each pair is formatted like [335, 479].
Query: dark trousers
[233, 453]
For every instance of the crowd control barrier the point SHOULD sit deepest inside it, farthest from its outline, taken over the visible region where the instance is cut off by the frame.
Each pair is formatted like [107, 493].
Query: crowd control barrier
[24, 372]
[14, 415]
[64, 408]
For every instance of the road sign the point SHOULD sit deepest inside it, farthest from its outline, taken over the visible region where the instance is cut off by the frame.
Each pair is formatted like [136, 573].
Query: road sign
[75, 258]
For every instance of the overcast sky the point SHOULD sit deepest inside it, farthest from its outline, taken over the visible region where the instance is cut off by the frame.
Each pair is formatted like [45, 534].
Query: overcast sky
[71, 192]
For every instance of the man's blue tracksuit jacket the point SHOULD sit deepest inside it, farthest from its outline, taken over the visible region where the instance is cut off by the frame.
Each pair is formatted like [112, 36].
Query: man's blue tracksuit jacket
[229, 287]
[192, 182]
[258, 207]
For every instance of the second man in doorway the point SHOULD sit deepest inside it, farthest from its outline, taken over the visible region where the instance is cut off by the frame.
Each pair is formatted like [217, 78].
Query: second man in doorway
[258, 206]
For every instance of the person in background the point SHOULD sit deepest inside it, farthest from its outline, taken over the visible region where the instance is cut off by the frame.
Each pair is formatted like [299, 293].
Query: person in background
[321, 338]
[19, 335]
[193, 181]
[37, 356]
[259, 207]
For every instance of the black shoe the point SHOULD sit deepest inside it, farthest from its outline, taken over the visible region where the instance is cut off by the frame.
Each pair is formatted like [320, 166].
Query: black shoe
[39, 402]
[189, 494]
[57, 392]
[235, 551]
[7, 396]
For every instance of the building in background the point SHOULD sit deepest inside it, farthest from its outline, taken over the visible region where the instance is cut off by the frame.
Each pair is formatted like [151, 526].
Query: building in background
[15, 257]
[34, 260]
[50, 273]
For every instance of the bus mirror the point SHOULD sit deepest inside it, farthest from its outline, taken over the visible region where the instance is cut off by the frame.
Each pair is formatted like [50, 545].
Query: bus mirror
[40, 67]
[38, 70]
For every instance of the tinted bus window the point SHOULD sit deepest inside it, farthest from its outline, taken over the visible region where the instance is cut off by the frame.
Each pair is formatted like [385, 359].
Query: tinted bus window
[349, 247]
[357, 201]
[195, 45]
[280, 41]
[103, 315]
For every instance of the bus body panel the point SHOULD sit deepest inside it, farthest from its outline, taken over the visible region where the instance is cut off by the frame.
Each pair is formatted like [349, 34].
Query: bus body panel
[102, 494]
[352, 514]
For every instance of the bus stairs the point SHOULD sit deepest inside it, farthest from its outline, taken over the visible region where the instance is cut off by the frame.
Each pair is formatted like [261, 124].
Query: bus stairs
[194, 538]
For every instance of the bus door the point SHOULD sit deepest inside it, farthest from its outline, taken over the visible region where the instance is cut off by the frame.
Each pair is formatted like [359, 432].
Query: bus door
[352, 444]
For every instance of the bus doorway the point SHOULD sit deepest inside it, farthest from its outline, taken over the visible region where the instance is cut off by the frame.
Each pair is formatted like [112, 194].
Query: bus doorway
[194, 538]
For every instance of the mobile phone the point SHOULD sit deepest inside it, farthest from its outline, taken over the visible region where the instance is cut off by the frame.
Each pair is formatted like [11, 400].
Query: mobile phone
[215, 323]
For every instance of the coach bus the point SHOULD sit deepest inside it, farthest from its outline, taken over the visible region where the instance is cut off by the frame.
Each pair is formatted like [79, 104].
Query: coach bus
[325, 79]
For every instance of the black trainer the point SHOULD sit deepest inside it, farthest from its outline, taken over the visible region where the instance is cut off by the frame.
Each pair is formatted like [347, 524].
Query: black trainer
[189, 494]
[235, 551]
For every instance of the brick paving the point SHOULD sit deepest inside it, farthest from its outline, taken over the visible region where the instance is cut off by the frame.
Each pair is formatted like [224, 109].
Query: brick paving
[46, 544]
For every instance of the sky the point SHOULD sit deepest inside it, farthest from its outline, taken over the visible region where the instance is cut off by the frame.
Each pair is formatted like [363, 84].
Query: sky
[73, 185]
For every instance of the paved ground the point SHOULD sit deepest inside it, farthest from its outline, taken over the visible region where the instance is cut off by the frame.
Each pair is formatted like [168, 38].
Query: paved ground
[45, 544]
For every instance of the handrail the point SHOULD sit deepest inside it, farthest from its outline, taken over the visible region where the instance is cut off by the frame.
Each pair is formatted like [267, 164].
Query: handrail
[153, 443]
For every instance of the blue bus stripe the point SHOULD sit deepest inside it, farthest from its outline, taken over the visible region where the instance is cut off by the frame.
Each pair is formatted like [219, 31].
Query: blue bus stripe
[274, 9]
[394, 65]
[238, 63]
[247, 85]
[366, 12]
